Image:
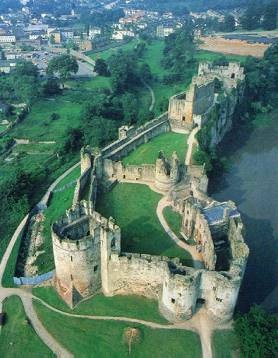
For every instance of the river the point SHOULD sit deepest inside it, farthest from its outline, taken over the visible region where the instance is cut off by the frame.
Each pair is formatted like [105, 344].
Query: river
[252, 182]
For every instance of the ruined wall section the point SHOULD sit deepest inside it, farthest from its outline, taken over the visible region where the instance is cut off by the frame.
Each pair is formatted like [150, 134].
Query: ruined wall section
[118, 170]
[186, 106]
[84, 180]
[134, 138]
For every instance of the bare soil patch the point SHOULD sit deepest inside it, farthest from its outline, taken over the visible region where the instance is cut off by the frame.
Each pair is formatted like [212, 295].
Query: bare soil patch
[234, 47]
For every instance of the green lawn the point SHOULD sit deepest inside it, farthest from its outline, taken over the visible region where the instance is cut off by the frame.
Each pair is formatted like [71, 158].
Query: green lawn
[89, 338]
[148, 153]
[73, 175]
[225, 344]
[90, 83]
[203, 55]
[134, 208]
[39, 126]
[18, 338]
[173, 219]
[128, 306]
[59, 203]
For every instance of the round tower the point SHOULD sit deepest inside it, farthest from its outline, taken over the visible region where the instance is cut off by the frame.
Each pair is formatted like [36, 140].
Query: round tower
[76, 249]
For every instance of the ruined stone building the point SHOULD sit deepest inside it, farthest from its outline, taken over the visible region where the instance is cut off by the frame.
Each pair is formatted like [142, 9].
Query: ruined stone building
[87, 246]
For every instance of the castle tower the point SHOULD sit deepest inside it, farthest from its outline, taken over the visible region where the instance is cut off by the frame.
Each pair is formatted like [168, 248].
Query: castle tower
[167, 174]
[82, 245]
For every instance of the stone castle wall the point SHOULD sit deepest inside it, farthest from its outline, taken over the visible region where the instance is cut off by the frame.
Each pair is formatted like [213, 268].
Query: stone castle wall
[87, 248]
[134, 138]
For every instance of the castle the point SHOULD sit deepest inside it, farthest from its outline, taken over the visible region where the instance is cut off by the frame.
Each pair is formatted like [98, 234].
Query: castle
[87, 246]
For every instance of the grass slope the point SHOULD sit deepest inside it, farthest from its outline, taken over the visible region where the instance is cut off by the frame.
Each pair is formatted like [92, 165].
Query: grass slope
[134, 208]
[87, 338]
[18, 338]
[59, 203]
[127, 306]
[148, 152]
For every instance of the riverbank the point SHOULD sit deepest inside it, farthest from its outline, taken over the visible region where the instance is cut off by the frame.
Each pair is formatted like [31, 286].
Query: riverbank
[251, 182]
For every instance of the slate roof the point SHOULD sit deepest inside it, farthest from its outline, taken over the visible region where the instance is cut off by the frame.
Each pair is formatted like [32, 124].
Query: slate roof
[215, 214]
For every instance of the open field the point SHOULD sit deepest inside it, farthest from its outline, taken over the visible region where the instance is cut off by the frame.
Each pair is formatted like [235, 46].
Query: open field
[148, 153]
[225, 344]
[235, 47]
[18, 338]
[125, 306]
[133, 206]
[88, 338]
[39, 126]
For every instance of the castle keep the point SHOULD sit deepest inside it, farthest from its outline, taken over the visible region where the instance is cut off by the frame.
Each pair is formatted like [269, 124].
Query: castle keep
[87, 246]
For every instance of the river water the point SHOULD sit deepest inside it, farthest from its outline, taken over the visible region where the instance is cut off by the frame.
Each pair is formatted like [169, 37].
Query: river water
[252, 182]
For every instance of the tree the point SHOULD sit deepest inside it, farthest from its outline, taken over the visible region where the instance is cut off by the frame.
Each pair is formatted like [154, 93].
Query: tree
[124, 71]
[101, 67]
[252, 16]
[257, 333]
[25, 68]
[145, 72]
[74, 140]
[270, 16]
[229, 24]
[64, 66]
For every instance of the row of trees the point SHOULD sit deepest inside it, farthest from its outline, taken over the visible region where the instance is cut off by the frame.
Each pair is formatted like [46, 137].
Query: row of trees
[259, 14]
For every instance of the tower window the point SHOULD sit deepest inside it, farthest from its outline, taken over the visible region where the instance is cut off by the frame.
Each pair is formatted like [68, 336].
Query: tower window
[173, 300]
[71, 258]
[113, 243]
[71, 277]
[95, 268]
[232, 75]
[183, 118]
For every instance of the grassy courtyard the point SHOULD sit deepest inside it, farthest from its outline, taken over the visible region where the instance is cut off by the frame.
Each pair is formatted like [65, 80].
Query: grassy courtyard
[125, 306]
[148, 152]
[134, 208]
[173, 219]
[89, 338]
[18, 338]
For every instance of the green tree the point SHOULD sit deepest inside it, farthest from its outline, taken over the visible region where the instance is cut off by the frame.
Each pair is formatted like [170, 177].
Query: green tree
[257, 332]
[101, 67]
[252, 16]
[229, 24]
[64, 66]
[145, 72]
[270, 16]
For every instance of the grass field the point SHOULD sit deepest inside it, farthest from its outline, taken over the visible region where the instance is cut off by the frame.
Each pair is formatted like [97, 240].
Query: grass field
[18, 338]
[225, 344]
[148, 152]
[74, 175]
[173, 219]
[87, 338]
[39, 126]
[134, 208]
[128, 306]
[203, 55]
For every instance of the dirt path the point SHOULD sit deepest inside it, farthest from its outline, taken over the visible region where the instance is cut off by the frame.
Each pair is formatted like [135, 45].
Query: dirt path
[151, 93]
[191, 141]
[197, 258]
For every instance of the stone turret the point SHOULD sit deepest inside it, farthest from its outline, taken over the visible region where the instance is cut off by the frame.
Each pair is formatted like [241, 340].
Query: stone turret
[167, 173]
